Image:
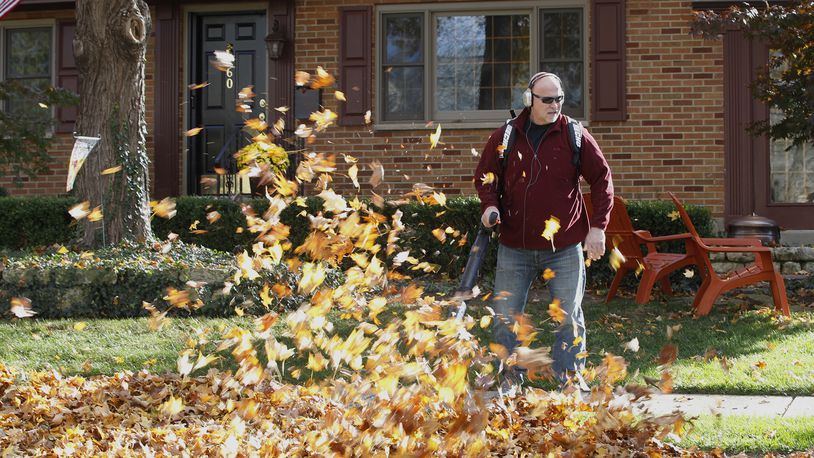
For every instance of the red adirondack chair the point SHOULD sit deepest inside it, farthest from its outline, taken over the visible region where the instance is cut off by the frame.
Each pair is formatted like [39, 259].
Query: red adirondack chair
[714, 284]
[657, 266]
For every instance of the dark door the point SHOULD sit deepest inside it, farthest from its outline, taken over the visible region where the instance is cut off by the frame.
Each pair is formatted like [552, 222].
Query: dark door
[213, 107]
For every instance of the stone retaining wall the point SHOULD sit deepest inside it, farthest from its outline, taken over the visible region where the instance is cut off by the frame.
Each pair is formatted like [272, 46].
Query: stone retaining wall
[788, 260]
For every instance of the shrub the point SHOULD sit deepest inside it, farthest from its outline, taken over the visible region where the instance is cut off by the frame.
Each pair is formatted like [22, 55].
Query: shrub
[23, 228]
[35, 221]
[113, 282]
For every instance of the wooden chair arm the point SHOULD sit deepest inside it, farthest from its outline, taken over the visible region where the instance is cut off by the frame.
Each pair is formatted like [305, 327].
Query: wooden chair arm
[731, 242]
[645, 235]
[739, 249]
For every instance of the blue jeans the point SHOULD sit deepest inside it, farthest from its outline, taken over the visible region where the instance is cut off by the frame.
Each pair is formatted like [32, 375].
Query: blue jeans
[516, 270]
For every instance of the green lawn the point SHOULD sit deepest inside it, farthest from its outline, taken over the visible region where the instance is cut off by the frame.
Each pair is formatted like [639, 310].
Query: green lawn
[763, 354]
[753, 435]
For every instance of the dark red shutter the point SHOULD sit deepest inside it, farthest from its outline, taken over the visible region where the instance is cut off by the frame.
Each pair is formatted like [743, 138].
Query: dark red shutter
[67, 73]
[608, 98]
[354, 63]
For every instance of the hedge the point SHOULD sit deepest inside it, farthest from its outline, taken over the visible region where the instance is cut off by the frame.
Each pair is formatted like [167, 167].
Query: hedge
[114, 282]
[23, 226]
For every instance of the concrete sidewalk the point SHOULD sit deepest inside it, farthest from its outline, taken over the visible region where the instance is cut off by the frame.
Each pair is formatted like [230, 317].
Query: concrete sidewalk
[716, 404]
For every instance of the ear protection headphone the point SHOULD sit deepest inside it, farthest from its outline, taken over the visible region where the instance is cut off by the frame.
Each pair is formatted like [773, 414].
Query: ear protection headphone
[528, 99]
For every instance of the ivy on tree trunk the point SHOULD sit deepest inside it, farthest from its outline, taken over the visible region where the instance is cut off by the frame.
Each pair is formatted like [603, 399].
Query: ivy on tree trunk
[110, 48]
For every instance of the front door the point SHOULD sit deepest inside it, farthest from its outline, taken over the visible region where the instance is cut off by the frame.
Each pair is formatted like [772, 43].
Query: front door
[212, 167]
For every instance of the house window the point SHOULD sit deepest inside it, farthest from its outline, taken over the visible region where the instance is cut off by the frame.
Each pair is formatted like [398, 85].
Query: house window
[792, 169]
[27, 59]
[464, 62]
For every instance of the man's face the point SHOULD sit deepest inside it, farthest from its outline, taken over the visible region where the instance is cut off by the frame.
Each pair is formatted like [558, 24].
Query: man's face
[545, 113]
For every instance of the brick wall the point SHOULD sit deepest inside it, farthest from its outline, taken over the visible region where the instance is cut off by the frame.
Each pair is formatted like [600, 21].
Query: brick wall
[672, 141]
[53, 183]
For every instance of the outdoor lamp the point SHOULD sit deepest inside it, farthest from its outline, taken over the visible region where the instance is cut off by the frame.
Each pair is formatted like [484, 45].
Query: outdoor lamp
[275, 41]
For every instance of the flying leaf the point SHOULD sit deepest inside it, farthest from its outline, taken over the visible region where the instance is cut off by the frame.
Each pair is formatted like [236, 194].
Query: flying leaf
[212, 216]
[378, 173]
[616, 259]
[194, 131]
[552, 225]
[80, 210]
[339, 96]
[164, 208]
[21, 307]
[301, 78]
[184, 364]
[353, 171]
[474, 152]
[548, 274]
[674, 215]
[555, 311]
[488, 178]
[223, 60]
[434, 138]
[246, 93]
[172, 407]
[95, 214]
[689, 273]
[303, 131]
[193, 86]
[668, 354]
[256, 124]
[633, 345]
[639, 268]
[322, 79]
[323, 119]
[368, 117]
[111, 170]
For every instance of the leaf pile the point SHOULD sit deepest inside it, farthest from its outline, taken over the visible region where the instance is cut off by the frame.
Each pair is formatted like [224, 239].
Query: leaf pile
[216, 415]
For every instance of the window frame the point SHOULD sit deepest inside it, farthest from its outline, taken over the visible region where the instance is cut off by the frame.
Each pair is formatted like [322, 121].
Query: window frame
[468, 119]
[28, 24]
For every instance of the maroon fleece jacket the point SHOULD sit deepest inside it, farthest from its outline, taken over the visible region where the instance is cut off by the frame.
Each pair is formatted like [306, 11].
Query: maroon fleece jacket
[539, 185]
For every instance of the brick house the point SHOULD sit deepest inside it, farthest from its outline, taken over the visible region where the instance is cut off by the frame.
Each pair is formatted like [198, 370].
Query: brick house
[668, 109]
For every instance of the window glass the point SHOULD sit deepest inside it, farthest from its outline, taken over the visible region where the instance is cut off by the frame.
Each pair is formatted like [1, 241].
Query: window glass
[792, 169]
[482, 62]
[561, 53]
[28, 60]
[476, 63]
[403, 69]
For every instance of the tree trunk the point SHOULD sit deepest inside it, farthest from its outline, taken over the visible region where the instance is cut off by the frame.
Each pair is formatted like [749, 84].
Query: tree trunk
[110, 49]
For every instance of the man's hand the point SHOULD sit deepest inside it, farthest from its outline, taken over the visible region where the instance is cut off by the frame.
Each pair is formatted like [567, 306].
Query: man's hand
[487, 215]
[595, 243]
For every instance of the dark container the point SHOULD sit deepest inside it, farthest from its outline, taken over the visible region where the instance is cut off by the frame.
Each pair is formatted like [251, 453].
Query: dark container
[754, 226]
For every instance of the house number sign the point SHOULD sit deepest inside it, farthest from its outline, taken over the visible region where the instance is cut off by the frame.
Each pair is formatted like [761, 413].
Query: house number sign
[229, 81]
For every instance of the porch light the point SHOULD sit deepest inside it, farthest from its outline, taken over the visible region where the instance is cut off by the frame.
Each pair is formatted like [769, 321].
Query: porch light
[275, 41]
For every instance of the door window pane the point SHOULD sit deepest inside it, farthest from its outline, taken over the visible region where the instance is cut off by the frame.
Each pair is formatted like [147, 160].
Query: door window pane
[792, 169]
[403, 67]
[480, 60]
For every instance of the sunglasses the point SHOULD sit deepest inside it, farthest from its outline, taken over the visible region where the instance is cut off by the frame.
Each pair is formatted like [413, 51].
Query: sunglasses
[549, 100]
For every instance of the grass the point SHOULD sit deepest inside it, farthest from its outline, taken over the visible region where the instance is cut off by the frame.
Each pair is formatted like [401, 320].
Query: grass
[764, 354]
[753, 435]
[102, 347]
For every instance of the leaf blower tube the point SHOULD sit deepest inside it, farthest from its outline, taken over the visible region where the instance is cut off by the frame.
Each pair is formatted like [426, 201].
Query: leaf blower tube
[476, 254]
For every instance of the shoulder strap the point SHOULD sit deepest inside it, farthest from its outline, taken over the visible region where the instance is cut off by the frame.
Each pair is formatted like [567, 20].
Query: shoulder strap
[507, 144]
[575, 138]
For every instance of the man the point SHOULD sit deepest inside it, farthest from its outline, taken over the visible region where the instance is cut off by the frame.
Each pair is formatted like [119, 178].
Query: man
[541, 181]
